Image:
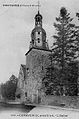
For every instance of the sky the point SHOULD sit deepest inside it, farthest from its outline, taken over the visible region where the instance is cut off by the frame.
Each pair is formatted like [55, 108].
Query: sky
[16, 24]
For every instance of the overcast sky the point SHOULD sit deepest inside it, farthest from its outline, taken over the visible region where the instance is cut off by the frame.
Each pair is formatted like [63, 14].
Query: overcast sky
[16, 24]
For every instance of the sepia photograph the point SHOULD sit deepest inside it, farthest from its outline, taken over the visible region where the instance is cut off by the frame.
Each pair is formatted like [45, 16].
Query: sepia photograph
[39, 59]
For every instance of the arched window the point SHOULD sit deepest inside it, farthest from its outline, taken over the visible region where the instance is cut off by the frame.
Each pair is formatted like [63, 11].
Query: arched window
[38, 32]
[38, 40]
[26, 94]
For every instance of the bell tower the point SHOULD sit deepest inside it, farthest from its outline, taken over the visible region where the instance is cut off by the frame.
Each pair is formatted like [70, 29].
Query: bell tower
[37, 60]
[38, 34]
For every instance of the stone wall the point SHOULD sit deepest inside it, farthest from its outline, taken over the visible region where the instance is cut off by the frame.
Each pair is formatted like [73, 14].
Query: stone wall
[20, 86]
[67, 101]
[36, 63]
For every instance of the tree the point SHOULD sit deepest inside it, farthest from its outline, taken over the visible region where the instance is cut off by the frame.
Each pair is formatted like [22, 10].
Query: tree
[57, 83]
[70, 79]
[77, 35]
[62, 79]
[51, 81]
[8, 89]
[65, 47]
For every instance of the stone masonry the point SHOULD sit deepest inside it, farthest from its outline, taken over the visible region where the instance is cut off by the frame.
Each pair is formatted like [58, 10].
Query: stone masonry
[37, 61]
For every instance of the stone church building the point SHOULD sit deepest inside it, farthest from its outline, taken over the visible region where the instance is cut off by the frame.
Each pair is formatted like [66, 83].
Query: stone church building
[30, 77]
[30, 84]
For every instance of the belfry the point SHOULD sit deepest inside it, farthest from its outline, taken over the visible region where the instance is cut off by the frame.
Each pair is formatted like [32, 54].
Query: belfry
[38, 34]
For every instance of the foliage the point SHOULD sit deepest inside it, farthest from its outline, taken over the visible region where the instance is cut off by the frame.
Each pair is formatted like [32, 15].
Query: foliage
[51, 80]
[57, 83]
[77, 35]
[70, 78]
[62, 79]
[65, 45]
[8, 89]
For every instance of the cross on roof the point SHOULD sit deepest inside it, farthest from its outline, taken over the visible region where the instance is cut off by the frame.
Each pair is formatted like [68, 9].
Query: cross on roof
[39, 5]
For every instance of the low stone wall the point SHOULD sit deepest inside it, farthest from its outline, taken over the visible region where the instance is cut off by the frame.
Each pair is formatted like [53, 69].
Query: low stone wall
[64, 101]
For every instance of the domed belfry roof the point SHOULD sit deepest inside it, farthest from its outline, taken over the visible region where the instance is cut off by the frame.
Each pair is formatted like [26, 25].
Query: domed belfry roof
[38, 16]
[38, 34]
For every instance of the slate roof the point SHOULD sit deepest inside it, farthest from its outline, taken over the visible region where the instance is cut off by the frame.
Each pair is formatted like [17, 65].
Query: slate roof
[38, 49]
[13, 77]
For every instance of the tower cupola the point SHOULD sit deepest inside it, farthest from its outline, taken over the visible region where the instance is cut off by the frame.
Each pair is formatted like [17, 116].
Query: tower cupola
[38, 34]
[38, 20]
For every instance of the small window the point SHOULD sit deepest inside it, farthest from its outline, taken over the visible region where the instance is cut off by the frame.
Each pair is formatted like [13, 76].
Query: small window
[26, 94]
[18, 96]
[27, 69]
[38, 32]
[42, 67]
[38, 40]
[33, 41]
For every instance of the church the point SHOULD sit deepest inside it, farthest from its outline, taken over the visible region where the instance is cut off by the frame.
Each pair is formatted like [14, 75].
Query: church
[29, 87]
[31, 74]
